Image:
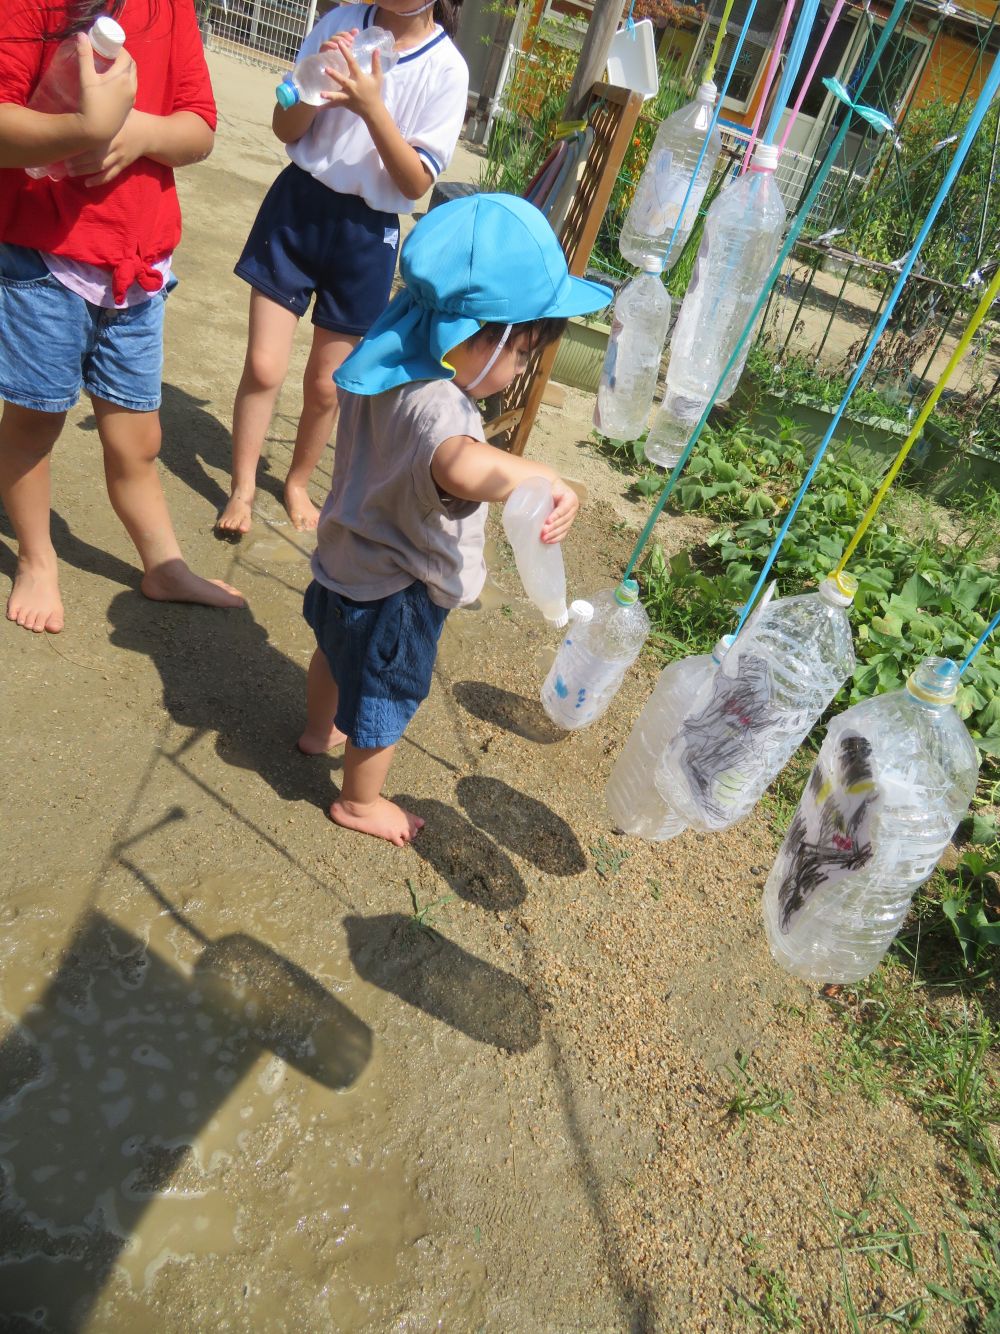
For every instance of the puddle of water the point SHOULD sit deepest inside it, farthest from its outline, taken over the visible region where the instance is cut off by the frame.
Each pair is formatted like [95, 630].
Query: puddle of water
[167, 1100]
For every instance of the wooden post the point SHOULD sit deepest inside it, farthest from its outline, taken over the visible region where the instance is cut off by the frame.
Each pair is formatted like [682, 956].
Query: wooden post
[593, 56]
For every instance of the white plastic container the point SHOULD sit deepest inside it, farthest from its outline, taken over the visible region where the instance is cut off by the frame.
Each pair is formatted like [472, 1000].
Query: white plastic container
[309, 80]
[656, 206]
[540, 564]
[892, 780]
[605, 637]
[632, 363]
[59, 89]
[632, 59]
[633, 799]
[738, 249]
[767, 695]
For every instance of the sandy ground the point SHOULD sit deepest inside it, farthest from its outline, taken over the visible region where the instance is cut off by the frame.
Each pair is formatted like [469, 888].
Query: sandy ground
[244, 1088]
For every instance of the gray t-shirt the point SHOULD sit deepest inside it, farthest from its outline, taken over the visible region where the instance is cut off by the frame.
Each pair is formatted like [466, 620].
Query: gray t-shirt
[385, 524]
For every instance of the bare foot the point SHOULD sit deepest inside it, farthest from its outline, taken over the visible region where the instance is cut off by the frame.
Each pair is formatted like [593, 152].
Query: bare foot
[302, 512]
[382, 818]
[174, 582]
[319, 742]
[34, 601]
[236, 518]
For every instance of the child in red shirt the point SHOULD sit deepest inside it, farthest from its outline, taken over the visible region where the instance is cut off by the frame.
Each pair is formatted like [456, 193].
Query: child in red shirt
[84, 272]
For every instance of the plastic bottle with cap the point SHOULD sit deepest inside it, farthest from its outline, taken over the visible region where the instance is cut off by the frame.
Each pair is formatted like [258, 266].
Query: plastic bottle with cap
[738, 248]
[540, 564]
[659, 196]
[633, 799]
[632, 363]
[308, 81]
[605, 637]
[59, 89]
[767, 695]
[892, 780]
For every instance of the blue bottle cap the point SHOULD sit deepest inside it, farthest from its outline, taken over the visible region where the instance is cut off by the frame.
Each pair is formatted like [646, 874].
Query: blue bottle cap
[286, 93]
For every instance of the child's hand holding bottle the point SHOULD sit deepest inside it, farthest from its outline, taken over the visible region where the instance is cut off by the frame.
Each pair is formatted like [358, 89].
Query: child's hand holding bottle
[105, 98]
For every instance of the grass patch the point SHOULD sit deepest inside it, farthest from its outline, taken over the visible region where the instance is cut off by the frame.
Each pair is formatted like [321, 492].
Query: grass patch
[753, 1098]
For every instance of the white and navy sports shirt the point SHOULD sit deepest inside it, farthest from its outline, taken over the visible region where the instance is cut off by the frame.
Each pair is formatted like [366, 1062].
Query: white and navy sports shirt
[425, 93]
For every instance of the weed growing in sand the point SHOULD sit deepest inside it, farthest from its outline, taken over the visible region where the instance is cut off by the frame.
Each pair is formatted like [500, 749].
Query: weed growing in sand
[752, 1098]
[939, 1059]
[608, 861]
[774, 1306]
[421, 918]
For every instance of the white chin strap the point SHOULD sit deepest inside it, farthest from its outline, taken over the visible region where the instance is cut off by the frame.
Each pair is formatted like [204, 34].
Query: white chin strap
[493, 358]
[410, 13]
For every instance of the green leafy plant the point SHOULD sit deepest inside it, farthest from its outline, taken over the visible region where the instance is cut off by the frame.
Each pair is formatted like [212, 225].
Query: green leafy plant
[421, 918]
[752, 1098]
[608, 861]
[772, 1305]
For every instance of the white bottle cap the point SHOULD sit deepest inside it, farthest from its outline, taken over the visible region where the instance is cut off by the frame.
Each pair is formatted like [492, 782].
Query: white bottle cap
[107, 37]
[707, 92]
[722, 648]
[766, 157]
[559, 620]
[581, 611]
[838, 589]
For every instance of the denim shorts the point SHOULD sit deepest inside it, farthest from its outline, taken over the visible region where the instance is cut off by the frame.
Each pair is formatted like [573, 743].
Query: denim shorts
[381, 655]
[53, 343]
[309, 239]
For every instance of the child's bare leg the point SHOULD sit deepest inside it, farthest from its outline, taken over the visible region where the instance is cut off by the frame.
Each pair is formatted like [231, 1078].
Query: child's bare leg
[131, 443]
[269, 348]
[319, 413]
[26, 440]
[361, 804]
[320, 734]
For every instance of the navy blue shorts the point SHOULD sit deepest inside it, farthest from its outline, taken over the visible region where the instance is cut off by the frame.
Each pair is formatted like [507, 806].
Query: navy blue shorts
[381, 655]
[307, 239]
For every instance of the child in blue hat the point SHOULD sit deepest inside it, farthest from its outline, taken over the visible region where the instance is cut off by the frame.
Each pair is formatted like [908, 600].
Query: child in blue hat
[400, 538]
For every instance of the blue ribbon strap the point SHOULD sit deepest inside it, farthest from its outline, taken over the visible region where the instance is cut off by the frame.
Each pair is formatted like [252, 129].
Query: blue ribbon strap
[878, 120]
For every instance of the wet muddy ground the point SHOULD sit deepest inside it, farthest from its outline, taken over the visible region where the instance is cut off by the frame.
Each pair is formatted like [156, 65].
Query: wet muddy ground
[260, 1073]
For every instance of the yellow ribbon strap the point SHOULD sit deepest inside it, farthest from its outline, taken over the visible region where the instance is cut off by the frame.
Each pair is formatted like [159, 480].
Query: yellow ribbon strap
[982, 310]
[719, 39]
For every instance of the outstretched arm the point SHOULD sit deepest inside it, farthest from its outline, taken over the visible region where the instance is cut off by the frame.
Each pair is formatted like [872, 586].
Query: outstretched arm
[471, 470]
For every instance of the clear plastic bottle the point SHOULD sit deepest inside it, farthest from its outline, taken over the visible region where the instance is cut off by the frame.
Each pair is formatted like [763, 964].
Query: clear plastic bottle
[892, 780]
[540, 564]
[633, 799]
[309, 79]
[769, 692]
[59, 89]
[649, 225]
[605, 637]
[628, 379]
[738, 249]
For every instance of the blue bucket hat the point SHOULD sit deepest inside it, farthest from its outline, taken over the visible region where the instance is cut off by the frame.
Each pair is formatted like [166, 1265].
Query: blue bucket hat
[482, 259]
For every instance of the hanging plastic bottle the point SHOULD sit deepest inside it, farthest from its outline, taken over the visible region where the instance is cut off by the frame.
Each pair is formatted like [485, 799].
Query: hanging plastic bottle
[605, 637]
[892, 780]
[628, 379]
[59, 89]
[753, 714]
[540, 564]
[309, 80]
[738, 248]
[633, 799]
[656, 206]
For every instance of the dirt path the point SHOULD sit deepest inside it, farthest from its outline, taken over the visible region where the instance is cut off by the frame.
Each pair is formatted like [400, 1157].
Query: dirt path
[244, 1087]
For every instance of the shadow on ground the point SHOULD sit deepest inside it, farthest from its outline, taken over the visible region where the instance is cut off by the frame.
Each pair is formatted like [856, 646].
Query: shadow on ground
[109, 1077]
[430, 972]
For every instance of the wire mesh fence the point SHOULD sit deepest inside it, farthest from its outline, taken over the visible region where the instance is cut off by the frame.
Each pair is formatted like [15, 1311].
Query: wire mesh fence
[264, 32]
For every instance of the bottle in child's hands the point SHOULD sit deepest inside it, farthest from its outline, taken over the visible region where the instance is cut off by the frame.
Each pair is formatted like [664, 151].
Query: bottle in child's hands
[308, 81]
[540, 564]
[59, 89]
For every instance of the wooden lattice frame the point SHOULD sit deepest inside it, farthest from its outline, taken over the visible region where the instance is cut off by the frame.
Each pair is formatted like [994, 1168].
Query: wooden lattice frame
[612, 114]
